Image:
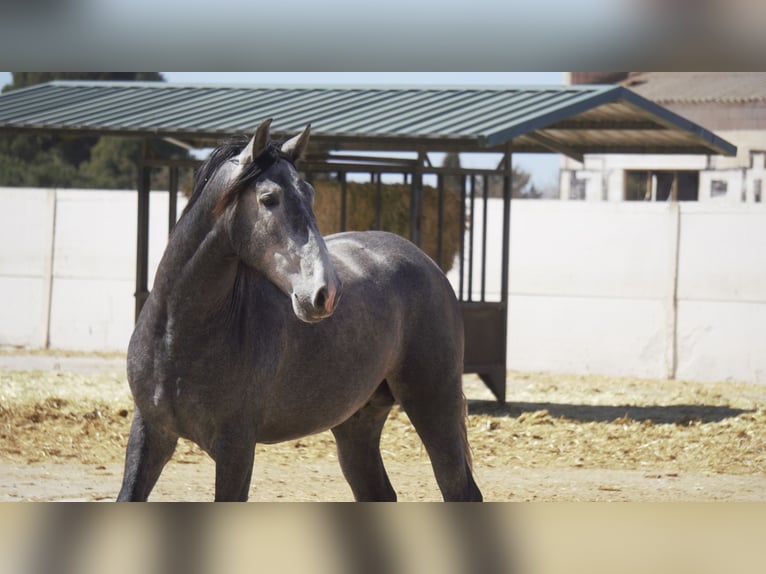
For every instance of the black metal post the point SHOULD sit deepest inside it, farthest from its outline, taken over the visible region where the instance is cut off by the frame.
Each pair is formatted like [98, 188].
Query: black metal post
[440, 222]
[484, 226]
[472, 212]
[378, 201]
[416, 200]
[173, 197]
[462, 224]
[343, 199]
[507, 194]
[142, 241]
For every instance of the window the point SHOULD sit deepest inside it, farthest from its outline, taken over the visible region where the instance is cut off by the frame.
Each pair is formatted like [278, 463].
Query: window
[637, 187]
[757, 191]
[718, 188]
[661, 185]
[576, 188]
[688, 185]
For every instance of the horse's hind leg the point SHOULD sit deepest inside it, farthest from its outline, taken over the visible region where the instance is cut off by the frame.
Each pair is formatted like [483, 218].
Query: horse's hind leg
[437, 409]
[358, 442]
[149, 449]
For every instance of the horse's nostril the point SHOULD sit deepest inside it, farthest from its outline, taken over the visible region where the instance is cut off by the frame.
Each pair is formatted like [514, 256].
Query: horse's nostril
[320, 299]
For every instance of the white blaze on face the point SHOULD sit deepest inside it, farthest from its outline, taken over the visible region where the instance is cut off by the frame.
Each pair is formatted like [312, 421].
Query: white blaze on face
[284, 243]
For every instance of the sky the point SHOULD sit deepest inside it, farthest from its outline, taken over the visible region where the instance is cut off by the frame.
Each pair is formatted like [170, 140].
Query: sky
[542, 167]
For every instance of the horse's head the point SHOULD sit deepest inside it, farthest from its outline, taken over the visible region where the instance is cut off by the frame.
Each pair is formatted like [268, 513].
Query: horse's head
[267, 212]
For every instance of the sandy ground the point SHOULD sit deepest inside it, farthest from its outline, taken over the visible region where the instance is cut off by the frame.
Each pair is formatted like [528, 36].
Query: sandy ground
[64, 423]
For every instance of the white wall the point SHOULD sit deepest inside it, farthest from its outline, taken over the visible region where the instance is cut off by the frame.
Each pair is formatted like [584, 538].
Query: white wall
[26, 235]
[589, 287]
[646, 289]
[592, 289]
[722, 293]
[87, 273]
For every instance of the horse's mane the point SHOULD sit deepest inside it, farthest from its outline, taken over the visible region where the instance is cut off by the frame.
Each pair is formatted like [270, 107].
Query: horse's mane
[223, 153]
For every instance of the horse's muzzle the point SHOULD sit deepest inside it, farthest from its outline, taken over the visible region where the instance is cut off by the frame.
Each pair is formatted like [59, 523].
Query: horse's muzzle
[325, 299]
[321, 305]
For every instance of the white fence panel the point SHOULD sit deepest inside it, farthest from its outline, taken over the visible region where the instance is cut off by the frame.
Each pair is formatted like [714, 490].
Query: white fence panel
[591, 288]
[587, 335]
[86, 273]
[722, 293]
[26, 239]
[587, 250]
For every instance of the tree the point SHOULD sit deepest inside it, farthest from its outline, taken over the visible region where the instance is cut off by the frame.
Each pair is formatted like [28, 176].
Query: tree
[112, 163]
[521, 180]
[49, 160]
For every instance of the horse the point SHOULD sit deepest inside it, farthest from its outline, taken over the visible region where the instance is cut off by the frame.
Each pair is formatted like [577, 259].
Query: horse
[260, 330]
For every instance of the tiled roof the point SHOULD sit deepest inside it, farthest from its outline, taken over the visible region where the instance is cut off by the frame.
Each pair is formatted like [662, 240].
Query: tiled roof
[698, 87]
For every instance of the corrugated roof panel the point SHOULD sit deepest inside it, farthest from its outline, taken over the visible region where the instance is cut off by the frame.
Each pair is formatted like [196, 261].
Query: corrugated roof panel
[219, 108]
[185, 111]
[391, 105]
[27, 106]
[520, 110]
[471, 118]
[410, 117]
[341, 106]
[460, 118]
[480, 118]
[116, 108]
[289, 108]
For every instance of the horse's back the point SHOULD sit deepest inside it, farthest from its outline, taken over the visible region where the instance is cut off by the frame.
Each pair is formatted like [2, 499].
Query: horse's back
[386, 257]
[382, 266]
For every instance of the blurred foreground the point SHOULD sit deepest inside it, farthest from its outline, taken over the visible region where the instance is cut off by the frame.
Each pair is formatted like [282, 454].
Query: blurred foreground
[381, 539]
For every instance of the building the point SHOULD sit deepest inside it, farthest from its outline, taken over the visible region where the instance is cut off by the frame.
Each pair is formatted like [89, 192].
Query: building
[731, 104]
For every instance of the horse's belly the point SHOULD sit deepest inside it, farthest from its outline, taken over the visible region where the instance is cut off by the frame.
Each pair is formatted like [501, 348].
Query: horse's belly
[308, 401]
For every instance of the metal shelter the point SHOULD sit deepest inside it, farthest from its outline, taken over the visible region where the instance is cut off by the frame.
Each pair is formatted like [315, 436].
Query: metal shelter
[571, 120]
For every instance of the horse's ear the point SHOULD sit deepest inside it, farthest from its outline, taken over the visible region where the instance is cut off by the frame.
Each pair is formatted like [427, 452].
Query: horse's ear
[256, 145]
[295, 147]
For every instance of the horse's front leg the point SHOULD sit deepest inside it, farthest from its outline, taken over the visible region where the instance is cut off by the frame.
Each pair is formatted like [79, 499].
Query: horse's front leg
[234, 454]
[149, 449]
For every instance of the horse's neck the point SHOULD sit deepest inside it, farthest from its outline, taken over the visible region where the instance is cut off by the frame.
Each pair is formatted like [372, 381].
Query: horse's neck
[196, 275]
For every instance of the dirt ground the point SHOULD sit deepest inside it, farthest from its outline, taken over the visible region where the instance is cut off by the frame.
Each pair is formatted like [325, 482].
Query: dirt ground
[64, 421]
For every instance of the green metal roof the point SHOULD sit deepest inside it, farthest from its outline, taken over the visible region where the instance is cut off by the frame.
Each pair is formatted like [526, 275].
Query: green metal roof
[574, 120]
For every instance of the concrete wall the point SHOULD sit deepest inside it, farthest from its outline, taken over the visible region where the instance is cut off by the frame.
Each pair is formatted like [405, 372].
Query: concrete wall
[26, 259]
[653, 290]
[721, 328]
[75, 291]
[591, 288]
[645, 289]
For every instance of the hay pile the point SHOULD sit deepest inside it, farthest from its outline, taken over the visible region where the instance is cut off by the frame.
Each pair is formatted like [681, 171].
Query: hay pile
[660, 427]
[361, 203]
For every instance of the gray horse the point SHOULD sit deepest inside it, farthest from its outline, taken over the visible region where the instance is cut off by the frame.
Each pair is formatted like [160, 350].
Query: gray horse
[259, 330]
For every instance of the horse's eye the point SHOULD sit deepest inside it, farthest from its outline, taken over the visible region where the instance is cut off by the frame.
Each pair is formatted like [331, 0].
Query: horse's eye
[269, 200]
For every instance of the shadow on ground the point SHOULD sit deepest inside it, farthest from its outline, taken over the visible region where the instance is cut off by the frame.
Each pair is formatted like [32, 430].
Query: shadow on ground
[657, 414]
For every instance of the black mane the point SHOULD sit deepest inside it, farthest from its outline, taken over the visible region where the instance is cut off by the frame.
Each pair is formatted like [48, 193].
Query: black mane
[224, 152]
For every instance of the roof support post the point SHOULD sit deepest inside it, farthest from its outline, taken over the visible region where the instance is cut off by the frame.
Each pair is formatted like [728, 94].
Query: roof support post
[343, 200]
[494, 377]
[173, 197]
[142, 238]
[416, 199]
[507, 193]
